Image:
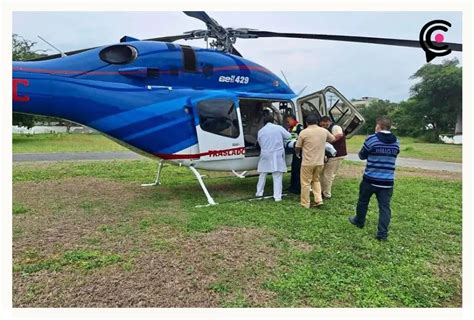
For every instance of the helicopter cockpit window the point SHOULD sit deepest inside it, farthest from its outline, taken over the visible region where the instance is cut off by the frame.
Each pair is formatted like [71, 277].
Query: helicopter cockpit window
[118, 54]
[219, 116]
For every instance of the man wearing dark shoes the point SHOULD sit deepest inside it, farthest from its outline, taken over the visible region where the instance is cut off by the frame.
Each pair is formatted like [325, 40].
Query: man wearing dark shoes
[294, 127]
[380, 150]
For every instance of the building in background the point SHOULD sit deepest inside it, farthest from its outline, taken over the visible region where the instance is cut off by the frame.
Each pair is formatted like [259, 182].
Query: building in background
[363, 102]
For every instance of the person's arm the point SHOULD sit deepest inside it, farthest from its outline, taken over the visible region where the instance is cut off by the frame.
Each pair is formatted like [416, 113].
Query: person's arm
[330, 137]
[285, 134]
[299, 144]
[337, 132]
[364, 151]
[298, 152]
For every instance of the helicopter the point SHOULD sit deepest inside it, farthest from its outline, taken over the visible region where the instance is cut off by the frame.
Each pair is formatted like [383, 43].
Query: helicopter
[195, 107]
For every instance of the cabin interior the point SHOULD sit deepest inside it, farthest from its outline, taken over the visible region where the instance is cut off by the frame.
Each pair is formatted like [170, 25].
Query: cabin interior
[252, 112]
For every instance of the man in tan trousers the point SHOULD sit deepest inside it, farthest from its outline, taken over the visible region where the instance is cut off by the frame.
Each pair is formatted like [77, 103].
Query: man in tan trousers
[332, 165]
[312, 142]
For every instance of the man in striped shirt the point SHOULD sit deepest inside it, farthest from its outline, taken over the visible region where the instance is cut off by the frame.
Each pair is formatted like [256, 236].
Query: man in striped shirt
[380, 150]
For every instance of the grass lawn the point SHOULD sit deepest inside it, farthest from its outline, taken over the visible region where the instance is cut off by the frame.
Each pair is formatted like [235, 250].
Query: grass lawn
[63, 142]
[85, 234]
[411, 148]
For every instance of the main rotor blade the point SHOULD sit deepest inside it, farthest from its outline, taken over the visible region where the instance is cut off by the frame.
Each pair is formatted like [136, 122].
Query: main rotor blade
[384, 41]
[201, 15]
[171, 38]
[216, 30]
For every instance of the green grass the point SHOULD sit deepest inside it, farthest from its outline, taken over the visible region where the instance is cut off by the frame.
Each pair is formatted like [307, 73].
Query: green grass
[343, 265]
[347, 267]
[63, 142]
[411, 148]
[79, 259]
[19, 209]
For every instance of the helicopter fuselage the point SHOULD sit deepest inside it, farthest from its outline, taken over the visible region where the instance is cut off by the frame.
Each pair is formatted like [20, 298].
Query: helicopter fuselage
[144, 94]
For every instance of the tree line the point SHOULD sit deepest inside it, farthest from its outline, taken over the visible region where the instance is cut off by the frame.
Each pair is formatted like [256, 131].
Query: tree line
[433, 108]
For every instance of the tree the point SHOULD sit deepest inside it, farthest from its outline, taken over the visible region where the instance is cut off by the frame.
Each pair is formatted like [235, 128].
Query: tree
[405, 119]
[23, 49]
[438, 96]
[434, 106]
[375, 109]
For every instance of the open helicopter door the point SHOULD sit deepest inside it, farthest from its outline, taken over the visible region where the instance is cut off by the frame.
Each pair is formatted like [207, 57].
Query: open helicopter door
[332, 103]
[219, 128]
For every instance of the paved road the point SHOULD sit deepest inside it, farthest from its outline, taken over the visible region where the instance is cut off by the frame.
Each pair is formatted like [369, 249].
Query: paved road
[418, 163]
[75, 156]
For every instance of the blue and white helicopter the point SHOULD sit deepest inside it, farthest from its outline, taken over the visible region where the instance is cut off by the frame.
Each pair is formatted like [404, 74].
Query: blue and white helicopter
[200, 108]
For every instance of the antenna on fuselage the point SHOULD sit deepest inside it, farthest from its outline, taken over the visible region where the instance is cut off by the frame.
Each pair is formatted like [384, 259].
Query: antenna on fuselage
[288, 83]
[286, 80]
[301, 91]
[50, 44]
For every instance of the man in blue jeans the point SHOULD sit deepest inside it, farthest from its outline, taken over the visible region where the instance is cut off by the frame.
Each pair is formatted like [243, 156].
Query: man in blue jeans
[381, 150]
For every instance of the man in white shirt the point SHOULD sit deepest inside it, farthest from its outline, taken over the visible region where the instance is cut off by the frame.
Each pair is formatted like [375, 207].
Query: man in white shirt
[271, 139]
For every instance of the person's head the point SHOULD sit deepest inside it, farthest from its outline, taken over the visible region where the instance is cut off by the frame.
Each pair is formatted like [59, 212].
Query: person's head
[311, 119]
[291, 120]
[383, 123]
[325, 122]
[268, 118]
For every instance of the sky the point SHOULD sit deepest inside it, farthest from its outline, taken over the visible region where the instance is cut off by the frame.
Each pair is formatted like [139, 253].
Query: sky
[356, 70]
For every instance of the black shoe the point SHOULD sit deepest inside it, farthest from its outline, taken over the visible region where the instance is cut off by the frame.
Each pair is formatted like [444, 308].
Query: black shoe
[381, 238]
[352, 220]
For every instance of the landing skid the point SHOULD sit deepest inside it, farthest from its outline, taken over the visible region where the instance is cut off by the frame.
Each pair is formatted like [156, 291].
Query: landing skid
[253, 198]
[239, 175]
[158, 176]
[210, 201]
[244, 174]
